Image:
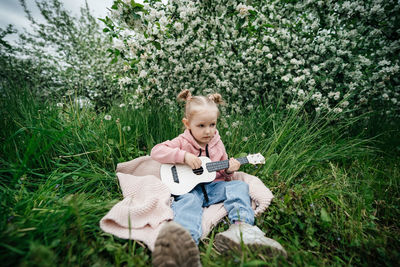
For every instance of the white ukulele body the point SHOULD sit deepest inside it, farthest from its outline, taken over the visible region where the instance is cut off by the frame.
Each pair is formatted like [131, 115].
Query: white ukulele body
[181, 179]
[187, 177]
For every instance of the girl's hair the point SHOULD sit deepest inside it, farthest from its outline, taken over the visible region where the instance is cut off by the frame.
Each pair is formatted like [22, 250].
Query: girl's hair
[193, 102]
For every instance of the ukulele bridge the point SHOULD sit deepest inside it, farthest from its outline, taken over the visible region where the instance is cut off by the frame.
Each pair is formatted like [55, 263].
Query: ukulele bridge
[175, 174]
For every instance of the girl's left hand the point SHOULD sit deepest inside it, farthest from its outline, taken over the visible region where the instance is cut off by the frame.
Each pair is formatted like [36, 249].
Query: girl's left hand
[234, 165]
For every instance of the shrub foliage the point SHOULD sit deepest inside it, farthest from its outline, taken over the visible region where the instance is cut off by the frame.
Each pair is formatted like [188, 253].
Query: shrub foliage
[71, 53]
[344, 55]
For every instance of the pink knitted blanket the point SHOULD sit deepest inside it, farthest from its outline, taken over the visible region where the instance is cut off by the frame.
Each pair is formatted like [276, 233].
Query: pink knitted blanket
[146, 202]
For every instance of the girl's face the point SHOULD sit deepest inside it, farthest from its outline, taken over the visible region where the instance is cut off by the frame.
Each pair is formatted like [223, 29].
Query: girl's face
[203, 125]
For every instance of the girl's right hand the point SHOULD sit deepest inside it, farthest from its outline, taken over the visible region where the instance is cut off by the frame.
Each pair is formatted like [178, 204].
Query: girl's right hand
[193, 161]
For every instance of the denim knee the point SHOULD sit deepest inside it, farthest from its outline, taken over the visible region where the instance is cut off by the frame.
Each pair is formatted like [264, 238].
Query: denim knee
[238, 202]
[238, 186]
[188, 212]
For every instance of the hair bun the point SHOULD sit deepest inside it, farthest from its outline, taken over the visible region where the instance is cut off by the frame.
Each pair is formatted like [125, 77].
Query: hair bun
[216, 98]
[185, 95]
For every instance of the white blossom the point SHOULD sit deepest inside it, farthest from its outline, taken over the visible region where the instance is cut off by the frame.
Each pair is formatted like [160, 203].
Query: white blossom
[124, 80]
[243, 10]
[69, 92]
[286, 78]
[143, 74]
[214, 55]
[337, 110]
[126, 128]
[344, 104]
[178, 26]
[118, 44]
[385, 96]
[337, 95]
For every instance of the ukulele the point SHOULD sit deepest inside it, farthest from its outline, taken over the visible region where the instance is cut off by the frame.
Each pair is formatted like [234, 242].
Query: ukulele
[181, 179]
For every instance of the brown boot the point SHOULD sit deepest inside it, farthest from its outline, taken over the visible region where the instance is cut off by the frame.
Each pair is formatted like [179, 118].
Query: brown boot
[175, 247]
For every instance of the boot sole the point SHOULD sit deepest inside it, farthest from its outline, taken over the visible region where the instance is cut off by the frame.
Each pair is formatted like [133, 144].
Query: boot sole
[175, 247]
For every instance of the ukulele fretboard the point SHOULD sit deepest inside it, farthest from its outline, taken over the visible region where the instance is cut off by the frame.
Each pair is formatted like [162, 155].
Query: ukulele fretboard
[224, 164]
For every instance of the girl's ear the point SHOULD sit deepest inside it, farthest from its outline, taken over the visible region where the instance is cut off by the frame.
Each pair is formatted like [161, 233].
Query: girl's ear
[186, 123]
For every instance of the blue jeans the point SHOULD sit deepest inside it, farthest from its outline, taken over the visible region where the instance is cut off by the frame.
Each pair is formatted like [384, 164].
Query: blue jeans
[188, 208]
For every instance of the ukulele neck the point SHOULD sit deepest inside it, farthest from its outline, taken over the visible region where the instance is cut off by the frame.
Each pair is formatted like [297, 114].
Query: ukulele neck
[224, 164]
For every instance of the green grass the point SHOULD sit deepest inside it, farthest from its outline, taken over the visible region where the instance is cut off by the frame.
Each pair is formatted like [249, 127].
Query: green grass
[336, 193]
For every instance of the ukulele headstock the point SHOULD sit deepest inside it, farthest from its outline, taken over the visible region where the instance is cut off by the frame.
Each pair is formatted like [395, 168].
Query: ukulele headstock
[256, 159]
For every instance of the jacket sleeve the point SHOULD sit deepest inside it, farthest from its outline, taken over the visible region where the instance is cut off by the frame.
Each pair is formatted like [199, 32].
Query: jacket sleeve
[169, 152]
[224, 157]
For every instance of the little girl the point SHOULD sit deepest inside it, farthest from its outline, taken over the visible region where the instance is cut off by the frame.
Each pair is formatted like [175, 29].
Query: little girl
[177, 242]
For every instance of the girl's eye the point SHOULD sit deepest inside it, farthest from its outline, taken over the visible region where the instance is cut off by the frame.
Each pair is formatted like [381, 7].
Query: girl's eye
[201, 125]
[212, 124]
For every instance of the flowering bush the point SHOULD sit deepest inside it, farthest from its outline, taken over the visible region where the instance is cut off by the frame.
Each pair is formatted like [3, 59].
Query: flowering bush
[342, 55]
[71, 53]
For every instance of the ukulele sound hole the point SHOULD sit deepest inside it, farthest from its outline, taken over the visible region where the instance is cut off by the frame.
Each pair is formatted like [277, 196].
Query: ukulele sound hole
[198, 171]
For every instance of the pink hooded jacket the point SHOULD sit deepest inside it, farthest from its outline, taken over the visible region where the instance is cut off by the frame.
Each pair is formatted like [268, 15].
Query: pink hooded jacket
[173, 151]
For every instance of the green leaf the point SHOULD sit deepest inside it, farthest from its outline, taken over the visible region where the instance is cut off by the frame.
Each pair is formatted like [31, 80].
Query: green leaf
[255, 263]
[134, 4]
[287, 198]
[157, 45]
[114, 6]
[267, 25]
[253, 12]
[135, 16]
[325, 216]
[114, 60]
[313, 243]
